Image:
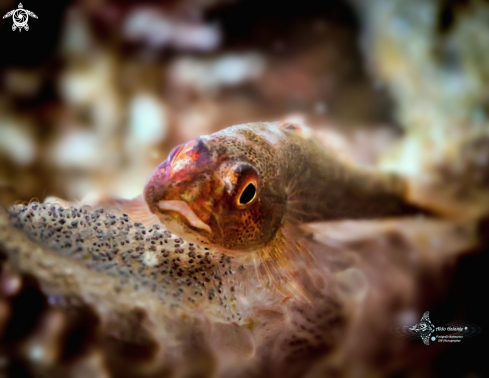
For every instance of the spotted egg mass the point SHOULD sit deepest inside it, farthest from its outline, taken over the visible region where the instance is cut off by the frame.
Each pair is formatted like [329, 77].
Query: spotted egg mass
[184, 289]
[177, 272]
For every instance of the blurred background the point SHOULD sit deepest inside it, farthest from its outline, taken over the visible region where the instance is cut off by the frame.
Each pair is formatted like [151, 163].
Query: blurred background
[96, 93]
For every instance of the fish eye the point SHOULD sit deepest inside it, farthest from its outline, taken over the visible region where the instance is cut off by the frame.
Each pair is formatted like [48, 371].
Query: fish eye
[248, 194]
[241, 182]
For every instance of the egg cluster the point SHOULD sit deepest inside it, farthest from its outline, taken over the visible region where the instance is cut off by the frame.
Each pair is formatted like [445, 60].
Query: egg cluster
[177, 272]
[159, 291]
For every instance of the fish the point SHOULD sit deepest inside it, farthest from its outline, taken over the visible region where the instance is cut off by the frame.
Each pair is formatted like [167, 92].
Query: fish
[234, 189]
[247, 190]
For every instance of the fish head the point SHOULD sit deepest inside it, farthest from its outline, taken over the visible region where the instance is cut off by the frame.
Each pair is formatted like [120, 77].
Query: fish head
[211, 193]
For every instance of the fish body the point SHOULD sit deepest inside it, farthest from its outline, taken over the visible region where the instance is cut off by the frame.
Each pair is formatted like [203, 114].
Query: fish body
[237, 188]
[251, 190]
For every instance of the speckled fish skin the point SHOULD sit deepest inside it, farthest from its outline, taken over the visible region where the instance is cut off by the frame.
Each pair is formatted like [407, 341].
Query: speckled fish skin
[298, 180]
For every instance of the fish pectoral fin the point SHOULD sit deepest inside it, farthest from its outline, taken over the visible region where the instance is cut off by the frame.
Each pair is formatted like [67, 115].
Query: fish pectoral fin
[396, 242]
[341, 232]
[415, 232]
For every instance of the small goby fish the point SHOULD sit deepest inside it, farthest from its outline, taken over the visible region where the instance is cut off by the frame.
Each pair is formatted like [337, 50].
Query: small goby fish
[234, 189]
[246, 189]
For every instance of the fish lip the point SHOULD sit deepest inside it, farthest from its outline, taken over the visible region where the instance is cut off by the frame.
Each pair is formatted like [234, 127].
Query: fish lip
[183, 209]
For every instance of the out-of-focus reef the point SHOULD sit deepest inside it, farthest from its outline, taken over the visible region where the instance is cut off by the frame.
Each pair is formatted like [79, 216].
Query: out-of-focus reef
[106, 89]
[433, 56]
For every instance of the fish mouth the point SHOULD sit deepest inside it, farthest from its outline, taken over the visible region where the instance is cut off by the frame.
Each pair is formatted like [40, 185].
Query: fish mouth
[183, 209]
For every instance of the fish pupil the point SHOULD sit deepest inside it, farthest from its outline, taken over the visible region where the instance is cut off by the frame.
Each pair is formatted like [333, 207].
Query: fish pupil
[248, 194]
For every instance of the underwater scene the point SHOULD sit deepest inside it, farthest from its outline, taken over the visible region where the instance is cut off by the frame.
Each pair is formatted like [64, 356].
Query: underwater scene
[243, 188]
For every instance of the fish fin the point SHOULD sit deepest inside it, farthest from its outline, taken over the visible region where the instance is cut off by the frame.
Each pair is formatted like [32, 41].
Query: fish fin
[430, 239]
[399, 248]
[135, 208]
[297, 128]
[287, 264]
[329, 139]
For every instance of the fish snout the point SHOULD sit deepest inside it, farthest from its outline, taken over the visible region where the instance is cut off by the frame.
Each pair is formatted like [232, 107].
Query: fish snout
[158, 187]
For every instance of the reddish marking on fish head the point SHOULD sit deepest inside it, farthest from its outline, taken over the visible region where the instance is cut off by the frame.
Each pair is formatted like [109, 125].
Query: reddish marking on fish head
[222, 188]
[183, 157]
[185, 175]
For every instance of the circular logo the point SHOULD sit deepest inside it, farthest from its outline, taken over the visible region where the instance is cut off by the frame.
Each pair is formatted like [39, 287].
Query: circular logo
[433, 338]
[20, 17]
